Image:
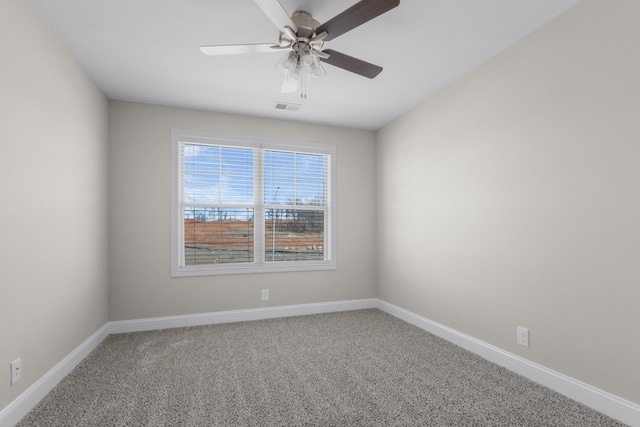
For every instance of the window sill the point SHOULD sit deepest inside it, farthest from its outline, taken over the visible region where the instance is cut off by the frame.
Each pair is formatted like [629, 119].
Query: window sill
[209, 270]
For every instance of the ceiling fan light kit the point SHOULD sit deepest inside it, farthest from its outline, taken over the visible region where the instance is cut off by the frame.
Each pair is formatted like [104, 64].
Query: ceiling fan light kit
[304, 37]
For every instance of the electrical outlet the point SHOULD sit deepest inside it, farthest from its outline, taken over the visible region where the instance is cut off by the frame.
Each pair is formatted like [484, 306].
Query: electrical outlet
[523, 336]
[265, 295]
[16, 371]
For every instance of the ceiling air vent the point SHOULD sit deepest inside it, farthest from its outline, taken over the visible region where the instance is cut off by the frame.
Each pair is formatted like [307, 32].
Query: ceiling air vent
[287, 106]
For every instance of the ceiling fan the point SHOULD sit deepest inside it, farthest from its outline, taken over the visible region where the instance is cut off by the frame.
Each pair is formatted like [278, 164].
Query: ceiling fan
[302, 38]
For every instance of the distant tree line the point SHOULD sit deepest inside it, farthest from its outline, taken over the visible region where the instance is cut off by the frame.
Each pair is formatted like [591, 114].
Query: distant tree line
[288, 219]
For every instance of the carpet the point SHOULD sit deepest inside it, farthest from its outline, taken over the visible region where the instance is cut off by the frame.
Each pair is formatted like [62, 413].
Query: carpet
[356, 368]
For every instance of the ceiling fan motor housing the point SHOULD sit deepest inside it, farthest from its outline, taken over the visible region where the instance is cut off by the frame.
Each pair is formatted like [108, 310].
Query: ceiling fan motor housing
[305, 23]
[306, 31]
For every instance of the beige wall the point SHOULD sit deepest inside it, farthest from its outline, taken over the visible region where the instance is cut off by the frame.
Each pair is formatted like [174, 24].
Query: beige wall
[140, 211]
[513, 198]
[53, 187]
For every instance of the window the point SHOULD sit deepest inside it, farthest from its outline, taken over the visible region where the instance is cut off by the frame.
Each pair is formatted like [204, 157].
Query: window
[246, 205]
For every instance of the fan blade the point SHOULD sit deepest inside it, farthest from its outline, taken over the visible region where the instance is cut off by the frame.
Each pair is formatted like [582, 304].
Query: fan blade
[350, 63]
[238, 49]
[355, 16]
[276, 13]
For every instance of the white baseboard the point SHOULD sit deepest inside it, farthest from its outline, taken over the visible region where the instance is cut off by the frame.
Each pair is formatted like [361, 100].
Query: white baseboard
[24, 403]
[149, 324]
[607, 403]
[600, 400]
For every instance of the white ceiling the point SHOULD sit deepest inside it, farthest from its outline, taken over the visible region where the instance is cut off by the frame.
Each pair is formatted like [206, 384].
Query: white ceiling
[148, 51]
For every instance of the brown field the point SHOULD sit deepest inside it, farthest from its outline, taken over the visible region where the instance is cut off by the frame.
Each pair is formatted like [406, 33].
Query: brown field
[222, 234]
[210, 242]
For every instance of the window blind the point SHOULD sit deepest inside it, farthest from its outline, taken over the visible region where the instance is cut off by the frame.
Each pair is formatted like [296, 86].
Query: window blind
[252, 205]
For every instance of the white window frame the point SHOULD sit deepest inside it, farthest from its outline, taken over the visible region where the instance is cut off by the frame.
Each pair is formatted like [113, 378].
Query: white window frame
[259, 265]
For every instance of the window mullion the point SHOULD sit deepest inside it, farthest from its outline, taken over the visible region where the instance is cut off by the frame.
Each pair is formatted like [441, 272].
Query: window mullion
[259, 215]
[220, 175]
